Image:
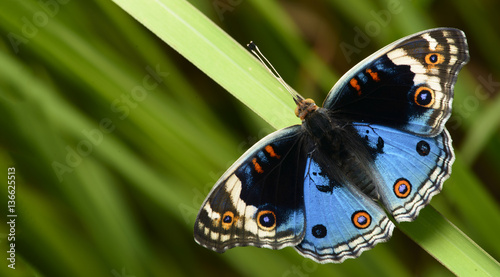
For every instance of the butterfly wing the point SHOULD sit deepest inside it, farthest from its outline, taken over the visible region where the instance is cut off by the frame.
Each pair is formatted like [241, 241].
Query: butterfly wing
[411, 168]
[259, 200]
[406, 85]
[342, 222]
[399, 100]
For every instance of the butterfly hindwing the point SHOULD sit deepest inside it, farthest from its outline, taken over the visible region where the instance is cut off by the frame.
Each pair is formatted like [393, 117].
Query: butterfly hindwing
[406, 85]
[259, 200]
[342, 222]
[411, 168]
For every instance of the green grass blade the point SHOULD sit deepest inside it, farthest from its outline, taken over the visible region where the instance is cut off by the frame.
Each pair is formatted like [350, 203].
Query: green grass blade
[470, 198]
[200, 41]
[445, 242]
[480, 134]
[285, 30]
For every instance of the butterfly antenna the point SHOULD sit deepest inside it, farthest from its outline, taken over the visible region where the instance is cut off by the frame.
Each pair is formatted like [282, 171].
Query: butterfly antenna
[265, 62]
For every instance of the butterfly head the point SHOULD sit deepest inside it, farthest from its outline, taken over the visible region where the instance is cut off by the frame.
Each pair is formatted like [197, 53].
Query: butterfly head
[304, 107]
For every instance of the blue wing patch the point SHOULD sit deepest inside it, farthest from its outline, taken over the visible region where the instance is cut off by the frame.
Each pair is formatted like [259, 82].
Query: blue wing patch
[341, 222]
[411, 168]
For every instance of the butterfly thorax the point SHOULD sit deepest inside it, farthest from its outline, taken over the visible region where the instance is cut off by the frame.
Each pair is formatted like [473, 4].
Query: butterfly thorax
[334, 139]
[322, 125]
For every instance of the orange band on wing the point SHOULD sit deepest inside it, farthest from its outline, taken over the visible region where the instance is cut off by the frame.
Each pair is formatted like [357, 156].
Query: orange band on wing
[257, 166]
[270, 150]
[355, 85]
[373, 74]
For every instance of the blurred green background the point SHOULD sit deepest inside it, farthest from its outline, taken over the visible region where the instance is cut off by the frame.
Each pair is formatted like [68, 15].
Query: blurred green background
[116, 139]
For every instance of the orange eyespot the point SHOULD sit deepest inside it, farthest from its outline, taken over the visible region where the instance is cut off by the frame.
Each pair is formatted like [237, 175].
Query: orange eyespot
[402, 188]
[227, 220]
[433, 59]
[361, 219]
[424, 97]
[266, 220]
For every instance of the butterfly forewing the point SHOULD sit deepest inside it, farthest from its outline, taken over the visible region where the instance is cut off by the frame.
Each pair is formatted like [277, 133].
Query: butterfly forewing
[408, 85]
[259, 200]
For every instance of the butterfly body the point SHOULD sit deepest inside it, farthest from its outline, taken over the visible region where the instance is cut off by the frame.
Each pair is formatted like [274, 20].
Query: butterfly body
[379, 137]
[334, 142]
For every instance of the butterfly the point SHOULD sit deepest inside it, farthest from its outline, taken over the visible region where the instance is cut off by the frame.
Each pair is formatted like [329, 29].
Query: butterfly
[379, 138]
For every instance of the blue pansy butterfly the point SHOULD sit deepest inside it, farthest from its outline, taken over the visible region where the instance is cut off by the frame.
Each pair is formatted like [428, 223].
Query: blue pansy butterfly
[379, 137]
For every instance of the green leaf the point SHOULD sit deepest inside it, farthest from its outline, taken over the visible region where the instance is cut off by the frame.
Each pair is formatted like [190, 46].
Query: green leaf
[200, 41]
[445, 242]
